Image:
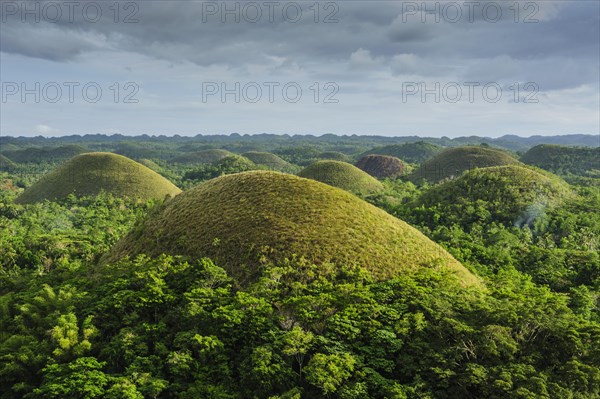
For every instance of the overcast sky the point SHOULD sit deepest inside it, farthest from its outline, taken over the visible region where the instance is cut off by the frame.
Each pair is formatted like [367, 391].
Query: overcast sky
[345, 67]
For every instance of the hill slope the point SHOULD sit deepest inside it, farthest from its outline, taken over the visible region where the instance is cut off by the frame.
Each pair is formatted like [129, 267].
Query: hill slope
[205, 156]
[243, 220]
[559, 159]
[5, 163]
[381, 166]
[509, 194]
[452, 162]
[37, 155]
[91, 173]
[408, 152]
[269, 160]
[343, 175]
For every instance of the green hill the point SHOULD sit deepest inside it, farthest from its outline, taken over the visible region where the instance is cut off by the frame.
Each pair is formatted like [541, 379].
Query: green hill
[563, 160]
[451, 163]
[244, 220]
[150, 164]
[334, 156]
[510, 194]
[381, 166]
[408, 152]
[269, 160]
[52, 154]
[6, 164]
[205, 156]
[343, 175]
[92, 173]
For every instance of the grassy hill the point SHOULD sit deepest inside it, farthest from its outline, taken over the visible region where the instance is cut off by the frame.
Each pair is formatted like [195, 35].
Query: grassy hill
[451, 163]
[269, 160]
[6, 164]
[580, 161]
[334, 156]
[37, 155]
[205, 156]
[408, 152]
[343, 175]
[92, 173]
[244, 220]
[510, 194]
[381, 166]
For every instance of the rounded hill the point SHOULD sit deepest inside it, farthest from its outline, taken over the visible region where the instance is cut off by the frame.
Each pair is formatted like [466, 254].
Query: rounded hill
[245, 220]
[334, 156]
[408, 152]
[342, 175]
[92, 173]
[381, 166]
[204, 156]
[451, 163]
[268, 159]
[510, 194]
[564, 160]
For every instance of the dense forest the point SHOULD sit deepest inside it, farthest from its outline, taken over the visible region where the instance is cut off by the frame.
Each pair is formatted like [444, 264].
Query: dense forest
[78, 321]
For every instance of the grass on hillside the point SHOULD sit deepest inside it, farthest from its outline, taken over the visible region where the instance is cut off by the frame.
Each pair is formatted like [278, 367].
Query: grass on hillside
[246, 220]
[93, 173]
[381, 166]
[342, 175]
[512, 194]
[202, 157]
[451, 163]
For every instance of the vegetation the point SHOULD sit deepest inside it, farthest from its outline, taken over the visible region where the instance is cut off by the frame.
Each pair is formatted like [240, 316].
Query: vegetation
[452, 162]
[342, 175]
[38, 155]
[93, 173]
[289, 288]
[509, 194]
[381, 166]
[270, 161]
[409, 152]
[6, 164]
[243, 220]
[202, 157]
[563, 160]
[334, 156]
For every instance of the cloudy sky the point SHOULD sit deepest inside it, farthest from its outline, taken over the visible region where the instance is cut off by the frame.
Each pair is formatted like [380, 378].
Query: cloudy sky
[346, 67]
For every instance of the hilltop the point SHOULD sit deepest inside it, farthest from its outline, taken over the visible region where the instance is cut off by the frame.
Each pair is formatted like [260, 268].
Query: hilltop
[92, 173]
[244, 220]
[564, 160]
[381, 166]
[408, 152]
[452, 162]
[52, 154]
[510, 194]
[205, 156]
[270, 160]
[343, 175]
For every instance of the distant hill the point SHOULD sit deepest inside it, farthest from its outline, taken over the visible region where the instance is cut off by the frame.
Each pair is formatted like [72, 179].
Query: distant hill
[37, 155]
[510, 194]
[200, 157]
[92, 173]
[6, 164]
[381, 166]
[333, 156]
[408, 152]
[452, 162]
[244, 220]
[342, 175]
[580, 161]
[271, 161]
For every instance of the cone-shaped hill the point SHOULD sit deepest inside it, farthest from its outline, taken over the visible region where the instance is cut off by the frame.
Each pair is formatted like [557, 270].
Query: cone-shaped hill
[268, 159]
[510, 194]
[343, 175]
[451, 163]
[381, 166]
[246, 219]
[564, 160]
[408, 152]
[92, 173]
[334, 156]
[204, 156]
